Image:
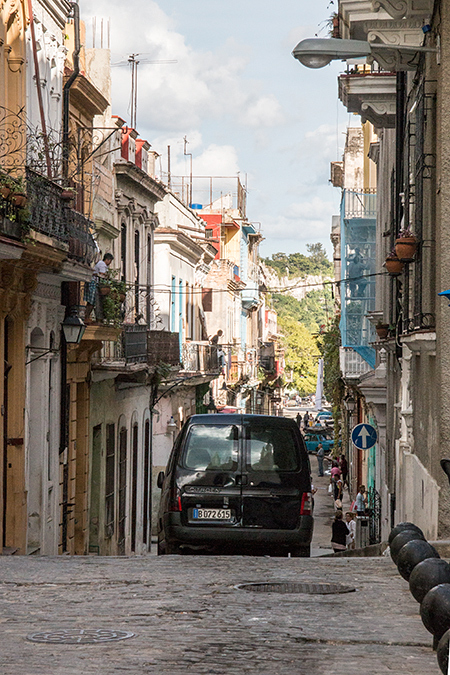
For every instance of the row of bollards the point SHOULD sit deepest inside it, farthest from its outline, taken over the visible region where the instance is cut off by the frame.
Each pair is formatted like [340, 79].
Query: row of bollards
[429, 582]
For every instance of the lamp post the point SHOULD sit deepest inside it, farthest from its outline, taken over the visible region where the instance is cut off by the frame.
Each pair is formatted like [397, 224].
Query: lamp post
[319, 52]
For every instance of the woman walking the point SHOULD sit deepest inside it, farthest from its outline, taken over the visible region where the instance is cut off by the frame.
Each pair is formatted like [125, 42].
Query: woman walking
[339, 533]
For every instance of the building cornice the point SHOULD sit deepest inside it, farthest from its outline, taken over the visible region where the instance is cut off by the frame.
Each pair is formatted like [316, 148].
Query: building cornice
[179, 242]
[142, 181]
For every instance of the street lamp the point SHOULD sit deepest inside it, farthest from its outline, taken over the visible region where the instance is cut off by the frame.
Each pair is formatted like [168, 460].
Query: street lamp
[318, 52]
[73, 328]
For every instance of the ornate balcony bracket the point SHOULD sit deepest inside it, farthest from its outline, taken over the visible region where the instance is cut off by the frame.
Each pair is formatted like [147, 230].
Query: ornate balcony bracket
[371, 96]
[404, 33]
[404, 9]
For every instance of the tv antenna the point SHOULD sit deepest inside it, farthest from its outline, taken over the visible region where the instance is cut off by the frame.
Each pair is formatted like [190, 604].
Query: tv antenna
[134, 62]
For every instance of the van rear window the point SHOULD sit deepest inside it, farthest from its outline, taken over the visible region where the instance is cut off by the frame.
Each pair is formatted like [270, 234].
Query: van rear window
[211, 448]
[272, 449]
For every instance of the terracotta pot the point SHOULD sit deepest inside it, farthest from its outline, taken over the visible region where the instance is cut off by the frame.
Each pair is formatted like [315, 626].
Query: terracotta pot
[394, 266]
[122, 296]
[382, 331]
[67, 195]
[5, 191]
[405, 248]
[105, 290]
[19, 199]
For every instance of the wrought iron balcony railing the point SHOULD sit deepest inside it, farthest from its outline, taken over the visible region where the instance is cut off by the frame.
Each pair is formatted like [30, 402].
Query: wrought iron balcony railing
[200, 357]
[51, 214]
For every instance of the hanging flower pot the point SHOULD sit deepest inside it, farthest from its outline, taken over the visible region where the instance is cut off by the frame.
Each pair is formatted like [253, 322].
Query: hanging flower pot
[105, 290]
[19, 199]
[122, 297]
[393, 265]
[382, 330]
[67, 195]
[5, 191]
[405, 246]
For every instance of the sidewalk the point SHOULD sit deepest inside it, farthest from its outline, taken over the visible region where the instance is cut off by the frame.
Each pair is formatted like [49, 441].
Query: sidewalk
[324, 510]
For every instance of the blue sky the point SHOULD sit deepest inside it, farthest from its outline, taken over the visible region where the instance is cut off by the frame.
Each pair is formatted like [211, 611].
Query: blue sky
[244, 104]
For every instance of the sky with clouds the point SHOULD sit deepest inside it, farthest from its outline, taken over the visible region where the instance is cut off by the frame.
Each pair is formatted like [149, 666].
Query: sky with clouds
[241, 100]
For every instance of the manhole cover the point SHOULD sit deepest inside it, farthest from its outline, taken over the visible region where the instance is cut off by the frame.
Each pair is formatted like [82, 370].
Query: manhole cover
[80, 636]
[288, 587]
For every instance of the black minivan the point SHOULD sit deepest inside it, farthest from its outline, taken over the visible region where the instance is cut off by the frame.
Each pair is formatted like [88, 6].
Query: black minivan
[237, 484]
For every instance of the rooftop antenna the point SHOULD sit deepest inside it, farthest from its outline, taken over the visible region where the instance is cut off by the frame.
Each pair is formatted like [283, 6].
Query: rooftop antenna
[188, 154]
[133, 62]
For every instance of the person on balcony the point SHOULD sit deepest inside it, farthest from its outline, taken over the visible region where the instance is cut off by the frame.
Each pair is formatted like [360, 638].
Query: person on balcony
[91, 292]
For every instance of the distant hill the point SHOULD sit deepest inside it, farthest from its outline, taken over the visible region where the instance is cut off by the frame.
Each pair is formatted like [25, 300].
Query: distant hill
[300, 265]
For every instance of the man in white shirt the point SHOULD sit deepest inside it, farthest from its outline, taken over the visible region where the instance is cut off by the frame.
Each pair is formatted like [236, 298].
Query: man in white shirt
[91, 289]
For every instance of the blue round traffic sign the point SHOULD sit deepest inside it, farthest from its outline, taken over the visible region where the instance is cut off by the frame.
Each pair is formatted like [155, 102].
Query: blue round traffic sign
[364, 436]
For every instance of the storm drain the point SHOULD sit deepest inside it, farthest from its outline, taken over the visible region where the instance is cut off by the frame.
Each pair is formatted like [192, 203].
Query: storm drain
[288, 587]
[80, 636]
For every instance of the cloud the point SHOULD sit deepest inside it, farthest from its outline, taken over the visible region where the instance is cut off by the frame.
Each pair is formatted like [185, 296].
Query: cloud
[202, 85]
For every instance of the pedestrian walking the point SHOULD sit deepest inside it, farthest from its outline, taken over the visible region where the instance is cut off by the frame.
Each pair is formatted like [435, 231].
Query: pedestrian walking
[343, 465]
[320, 456]
[339, 533]
[335, 477]
[306, 420]
[360, 503]
[298, 419]
[351, 526]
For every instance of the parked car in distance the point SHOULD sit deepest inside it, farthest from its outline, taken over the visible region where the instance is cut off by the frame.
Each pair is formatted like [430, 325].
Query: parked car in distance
[324, 417]
[315, 436]
[237, 484]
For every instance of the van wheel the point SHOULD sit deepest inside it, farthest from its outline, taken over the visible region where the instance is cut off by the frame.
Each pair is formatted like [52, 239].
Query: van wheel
[167, 549]
[301, 552]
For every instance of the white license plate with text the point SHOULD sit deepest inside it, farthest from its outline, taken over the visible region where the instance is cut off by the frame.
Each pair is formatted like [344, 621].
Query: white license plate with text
[211, 514]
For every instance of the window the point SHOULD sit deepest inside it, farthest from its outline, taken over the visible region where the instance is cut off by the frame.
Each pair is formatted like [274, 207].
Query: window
[271, 449]
[211, 448]
[207, 299]
[123, 251]
[172, 306]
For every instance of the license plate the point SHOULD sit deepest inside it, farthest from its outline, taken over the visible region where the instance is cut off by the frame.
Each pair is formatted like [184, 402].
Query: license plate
[212, 514]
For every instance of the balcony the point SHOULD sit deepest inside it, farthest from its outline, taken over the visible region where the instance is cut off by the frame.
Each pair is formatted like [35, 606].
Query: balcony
[370, 94]
[50, 214]
[127, 353]
[163, 347]
[200, 357]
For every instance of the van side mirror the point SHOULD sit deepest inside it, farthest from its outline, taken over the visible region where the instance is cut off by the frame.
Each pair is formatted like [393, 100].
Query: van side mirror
[160, 479]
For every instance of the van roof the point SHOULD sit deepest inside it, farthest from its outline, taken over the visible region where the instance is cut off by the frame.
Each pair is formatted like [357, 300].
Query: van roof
[234, 418]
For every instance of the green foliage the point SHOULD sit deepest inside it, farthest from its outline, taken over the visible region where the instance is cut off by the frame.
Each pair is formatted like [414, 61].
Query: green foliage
[300, 265]
[334, 388]
[313, 311]
[300, 354]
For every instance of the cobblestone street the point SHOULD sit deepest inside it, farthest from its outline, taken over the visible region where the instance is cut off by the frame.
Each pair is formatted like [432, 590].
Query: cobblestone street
[188, 617]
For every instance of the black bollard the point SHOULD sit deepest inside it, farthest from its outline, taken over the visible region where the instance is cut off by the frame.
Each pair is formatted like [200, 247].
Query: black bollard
[403, 526]
[442, 652]
[401, 539]
[428, 574]
[435, 610]
[412, 553]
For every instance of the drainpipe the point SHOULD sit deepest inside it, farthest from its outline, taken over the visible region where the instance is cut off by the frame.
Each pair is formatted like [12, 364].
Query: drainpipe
[68, 84]
[39, 91]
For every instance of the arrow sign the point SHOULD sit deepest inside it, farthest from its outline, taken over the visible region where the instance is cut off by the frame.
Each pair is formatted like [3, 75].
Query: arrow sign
[364, 436]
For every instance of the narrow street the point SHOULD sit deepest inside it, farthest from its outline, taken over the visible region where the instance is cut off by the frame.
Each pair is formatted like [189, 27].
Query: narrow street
[188, 616]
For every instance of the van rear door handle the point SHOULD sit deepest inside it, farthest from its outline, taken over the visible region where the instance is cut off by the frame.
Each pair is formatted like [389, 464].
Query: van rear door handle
[241, 479]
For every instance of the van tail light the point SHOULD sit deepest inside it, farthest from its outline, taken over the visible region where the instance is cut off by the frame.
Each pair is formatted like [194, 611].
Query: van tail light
[175, 500]
[307, 504]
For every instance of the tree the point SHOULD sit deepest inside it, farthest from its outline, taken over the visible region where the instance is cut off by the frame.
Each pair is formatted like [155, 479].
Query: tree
[300, 354]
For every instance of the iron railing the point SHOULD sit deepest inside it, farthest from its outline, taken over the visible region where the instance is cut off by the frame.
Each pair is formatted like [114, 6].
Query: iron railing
[200, 357]
[51, 215]
[374, 504]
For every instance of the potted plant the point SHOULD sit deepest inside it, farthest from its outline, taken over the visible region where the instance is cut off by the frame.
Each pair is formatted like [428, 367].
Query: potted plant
[382, 330]
[119, 289]
[405, 246]
[6, 185]
[393, 264]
